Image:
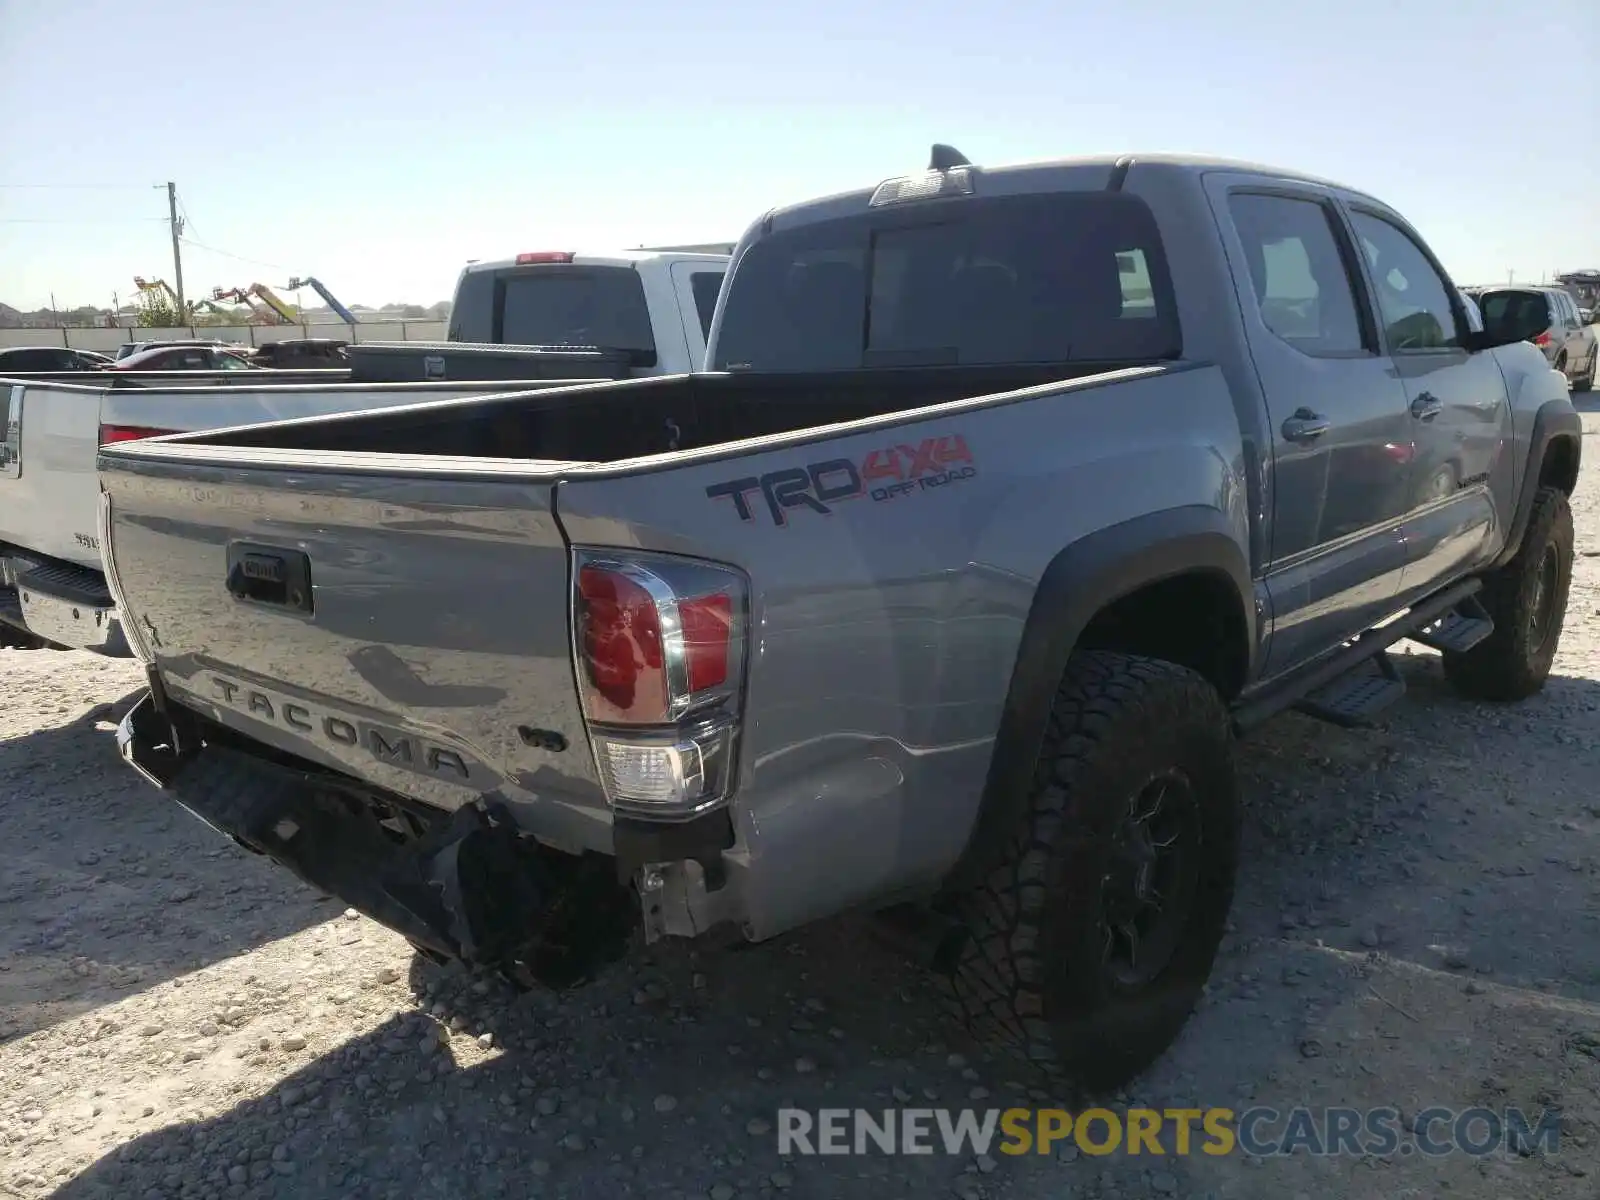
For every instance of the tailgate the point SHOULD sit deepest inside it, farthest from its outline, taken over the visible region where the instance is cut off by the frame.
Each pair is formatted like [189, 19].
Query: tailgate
[406, 626]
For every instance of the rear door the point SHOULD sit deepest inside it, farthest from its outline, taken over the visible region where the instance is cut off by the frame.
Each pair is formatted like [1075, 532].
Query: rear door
[1342, 435]
[1458, 411]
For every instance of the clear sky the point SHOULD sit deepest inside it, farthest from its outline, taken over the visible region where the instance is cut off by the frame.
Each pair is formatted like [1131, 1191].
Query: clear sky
[379, 144]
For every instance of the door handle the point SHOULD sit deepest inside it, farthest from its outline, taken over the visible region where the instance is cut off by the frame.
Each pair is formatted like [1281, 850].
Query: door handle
[1426, 406]
[1305, 426]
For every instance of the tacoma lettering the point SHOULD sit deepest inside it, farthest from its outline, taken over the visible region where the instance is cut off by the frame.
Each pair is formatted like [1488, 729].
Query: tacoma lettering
[388, 746]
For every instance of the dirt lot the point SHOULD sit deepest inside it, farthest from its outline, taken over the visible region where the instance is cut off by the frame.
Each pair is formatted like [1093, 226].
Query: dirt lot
[1418, 925]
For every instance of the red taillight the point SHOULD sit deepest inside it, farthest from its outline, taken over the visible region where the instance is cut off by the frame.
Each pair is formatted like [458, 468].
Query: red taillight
[652, 646]
[706, 622]
[1542, 340]
[129, 433]
[660, 648]
[531, 257]
[620, 642]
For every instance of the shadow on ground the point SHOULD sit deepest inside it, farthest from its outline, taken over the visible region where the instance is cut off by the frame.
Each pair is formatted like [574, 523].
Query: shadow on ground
[108, 887]
[1396, 904]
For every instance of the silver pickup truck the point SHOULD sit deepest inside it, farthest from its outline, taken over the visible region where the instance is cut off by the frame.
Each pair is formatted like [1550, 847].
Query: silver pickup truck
[1009, 499]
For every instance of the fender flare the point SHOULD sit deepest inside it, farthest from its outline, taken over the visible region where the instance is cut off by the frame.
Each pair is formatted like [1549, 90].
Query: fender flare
[1079, 582]
[1555, 421]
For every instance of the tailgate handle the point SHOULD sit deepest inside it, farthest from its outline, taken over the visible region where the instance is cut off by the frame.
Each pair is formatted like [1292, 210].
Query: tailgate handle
[270, 575]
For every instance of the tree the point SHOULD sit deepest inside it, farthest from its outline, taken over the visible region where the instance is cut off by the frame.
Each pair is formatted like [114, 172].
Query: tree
[157, 312]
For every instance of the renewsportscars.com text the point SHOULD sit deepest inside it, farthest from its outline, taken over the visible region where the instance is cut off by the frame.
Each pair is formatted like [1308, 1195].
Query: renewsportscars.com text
[1260, 1131]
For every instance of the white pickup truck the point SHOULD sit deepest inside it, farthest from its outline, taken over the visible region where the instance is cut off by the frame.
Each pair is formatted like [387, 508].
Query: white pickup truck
[644, 312]
[52, 584]
[654, 303]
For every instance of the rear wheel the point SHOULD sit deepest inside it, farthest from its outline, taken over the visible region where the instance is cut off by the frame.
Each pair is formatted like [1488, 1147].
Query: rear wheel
[1527, 598]
[1088, 946]
[1586, 384]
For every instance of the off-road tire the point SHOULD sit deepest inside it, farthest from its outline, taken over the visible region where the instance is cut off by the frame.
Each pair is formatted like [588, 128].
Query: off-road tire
[1513, 662]
[1030, 974]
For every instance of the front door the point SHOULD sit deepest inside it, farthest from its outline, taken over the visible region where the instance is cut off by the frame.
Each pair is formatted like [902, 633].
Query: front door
[1458, 408]
[1342, 436]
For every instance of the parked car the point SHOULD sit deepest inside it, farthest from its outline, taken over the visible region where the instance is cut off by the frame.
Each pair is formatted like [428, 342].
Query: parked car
[183, 358]
[301, 354]
[1010, 496]
[1567, 337]
[17, 360]
[137, 347]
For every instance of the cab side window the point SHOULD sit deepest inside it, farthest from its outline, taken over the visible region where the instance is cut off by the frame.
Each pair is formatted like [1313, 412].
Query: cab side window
[1297, 273]
[705, 285]
[1413, 298]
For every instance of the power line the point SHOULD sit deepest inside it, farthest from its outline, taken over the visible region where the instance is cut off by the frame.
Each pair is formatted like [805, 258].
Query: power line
[78, 220]
[62, 187]
[236, 257]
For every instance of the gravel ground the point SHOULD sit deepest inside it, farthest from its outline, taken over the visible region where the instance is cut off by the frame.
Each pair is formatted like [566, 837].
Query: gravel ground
[1418, 923]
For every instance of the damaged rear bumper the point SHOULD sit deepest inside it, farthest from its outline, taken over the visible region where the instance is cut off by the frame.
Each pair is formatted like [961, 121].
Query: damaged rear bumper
[468, 885]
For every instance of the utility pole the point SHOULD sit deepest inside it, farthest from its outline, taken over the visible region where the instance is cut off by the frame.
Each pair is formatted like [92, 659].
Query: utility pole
[176, 224]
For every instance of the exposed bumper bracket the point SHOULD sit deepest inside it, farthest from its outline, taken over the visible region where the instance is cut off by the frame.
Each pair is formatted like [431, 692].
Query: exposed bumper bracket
[469, 887]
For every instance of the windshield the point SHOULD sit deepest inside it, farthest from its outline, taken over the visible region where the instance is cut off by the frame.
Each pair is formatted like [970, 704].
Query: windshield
[560, 305]
[1062, 277]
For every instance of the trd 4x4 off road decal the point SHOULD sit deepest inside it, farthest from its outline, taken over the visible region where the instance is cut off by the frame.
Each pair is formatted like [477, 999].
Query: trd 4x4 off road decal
[886, 474]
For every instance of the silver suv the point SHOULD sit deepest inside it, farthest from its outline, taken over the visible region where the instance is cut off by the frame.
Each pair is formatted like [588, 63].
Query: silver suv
[1569, 340]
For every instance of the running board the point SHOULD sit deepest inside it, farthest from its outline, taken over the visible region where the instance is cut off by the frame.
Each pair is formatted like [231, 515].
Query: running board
[1357, 696]
[1286, 694]
[1459, 630]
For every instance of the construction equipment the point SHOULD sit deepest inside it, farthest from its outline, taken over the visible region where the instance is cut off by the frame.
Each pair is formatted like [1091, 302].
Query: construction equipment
[147, 286]
[283, 313]
[328, 298]
[1582, 286]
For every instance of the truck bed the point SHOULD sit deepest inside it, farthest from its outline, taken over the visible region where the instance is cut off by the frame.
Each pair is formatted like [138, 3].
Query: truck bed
[613, 422]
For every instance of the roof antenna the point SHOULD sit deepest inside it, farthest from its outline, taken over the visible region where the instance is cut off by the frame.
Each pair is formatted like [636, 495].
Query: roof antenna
[944, 157]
